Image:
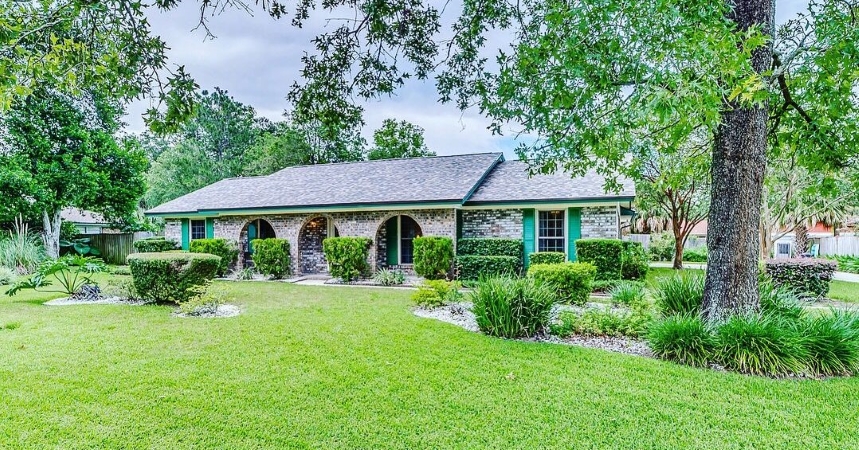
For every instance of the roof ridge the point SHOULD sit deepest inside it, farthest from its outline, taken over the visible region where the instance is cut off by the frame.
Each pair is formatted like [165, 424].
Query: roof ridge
[406, 158]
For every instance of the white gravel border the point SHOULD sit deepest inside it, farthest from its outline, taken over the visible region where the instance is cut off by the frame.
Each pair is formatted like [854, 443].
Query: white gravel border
[223, 311]
[460, 314]
[68, 301]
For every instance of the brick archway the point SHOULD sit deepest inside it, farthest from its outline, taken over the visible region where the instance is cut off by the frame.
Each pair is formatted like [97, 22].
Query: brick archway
[312, 232]
[393, 241]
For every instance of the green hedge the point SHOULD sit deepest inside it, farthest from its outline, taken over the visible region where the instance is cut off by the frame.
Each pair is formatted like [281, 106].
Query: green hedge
[271, 257]
[155, 244]
[490, 247]
[471, 267]
[433, 256]
[228, 251]
[547, 258]
[171, 276]
[571, 280]
[804, 276]
[613, 258]
[347, 256]
[698, 255]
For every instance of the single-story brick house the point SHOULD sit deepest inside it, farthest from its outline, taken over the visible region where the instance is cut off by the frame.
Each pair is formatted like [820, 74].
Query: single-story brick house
[393, 201]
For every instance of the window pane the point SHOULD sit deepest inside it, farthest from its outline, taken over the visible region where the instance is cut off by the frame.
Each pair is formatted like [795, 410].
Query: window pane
[550, 234]
[409, 230]
[198, 229]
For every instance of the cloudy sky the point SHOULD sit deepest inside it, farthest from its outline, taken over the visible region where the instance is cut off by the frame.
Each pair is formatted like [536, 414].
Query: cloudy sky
[257, 58]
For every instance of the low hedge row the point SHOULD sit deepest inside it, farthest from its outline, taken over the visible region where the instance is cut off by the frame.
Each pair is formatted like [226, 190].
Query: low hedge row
[613, 258]
[228, 251]
[155, 244]
[490, 247]
[804, 276]
[547, 257]
[271, 257]
[471, 267]
[347, 256]
[171, 276]
[433, 256]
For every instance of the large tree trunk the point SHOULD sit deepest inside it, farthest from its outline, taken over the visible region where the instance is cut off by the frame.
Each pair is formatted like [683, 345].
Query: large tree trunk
[678, 252]
[800, 239]
[739, 163]
[51, 224]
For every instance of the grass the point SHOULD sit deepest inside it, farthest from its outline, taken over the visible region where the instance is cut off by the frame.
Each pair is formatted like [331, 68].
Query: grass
[337, 367]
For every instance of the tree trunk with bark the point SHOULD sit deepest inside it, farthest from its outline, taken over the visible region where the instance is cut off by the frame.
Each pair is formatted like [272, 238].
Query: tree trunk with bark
[800, 239]
[51, 224]
[738, 167]
[678, 252]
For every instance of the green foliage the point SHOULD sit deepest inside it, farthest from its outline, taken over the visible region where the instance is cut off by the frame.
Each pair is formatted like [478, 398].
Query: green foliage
[490, 247]
[849, 264]
[613, 258]
[171, 276]
[599, 321]
[661, 247]
[7, 276]
[433, 256]
[80, 246]
[470, 267]
[434, 293]
[155, 244]
[68, 231]
[684, 339]
[21, 250]
[11, 326]
[398, 140]
[832, 344]
[780, 302]
[63, 152]
[682, 293]
[347, 256]
[806, 277]
[122, 288]
[206, 299]
[512, 307]
[547, 258]
[228, 251]
[271, 257]
[571, 280]
[387, 277]
[121, 270]
[761, 344]
[71, 272]
[284, 147]
[627, 293]
[696, 255]
[245, 273]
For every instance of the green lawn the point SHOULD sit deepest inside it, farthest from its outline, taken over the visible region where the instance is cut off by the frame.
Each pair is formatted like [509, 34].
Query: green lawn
[326, 367]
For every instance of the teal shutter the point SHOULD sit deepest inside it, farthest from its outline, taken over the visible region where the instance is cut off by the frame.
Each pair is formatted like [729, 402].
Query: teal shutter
[186, 234]
[392, 241]
[210, 228]
[528, 233]
[574, 231]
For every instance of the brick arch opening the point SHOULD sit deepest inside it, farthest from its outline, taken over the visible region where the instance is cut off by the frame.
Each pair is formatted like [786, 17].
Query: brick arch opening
[311, 258]
[254, 229]
[394, 241]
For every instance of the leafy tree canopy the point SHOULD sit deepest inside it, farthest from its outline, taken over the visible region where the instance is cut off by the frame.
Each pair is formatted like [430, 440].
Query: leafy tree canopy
[398, 140]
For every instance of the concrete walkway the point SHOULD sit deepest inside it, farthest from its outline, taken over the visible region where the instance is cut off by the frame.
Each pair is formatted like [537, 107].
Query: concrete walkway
[840, 276]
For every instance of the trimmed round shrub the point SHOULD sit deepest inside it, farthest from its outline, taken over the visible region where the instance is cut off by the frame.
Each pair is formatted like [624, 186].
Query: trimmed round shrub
[433, 256]
[471, 267]
[571, 280]
[547, 258]
[347, 256]
[832, 344]
[171, 276]
[228, 251]
[761, 344]
[271, 257]
[684, 339]
[512, 307]
[634, 261]
[806, 277]
[490, 247]
[681, 293]
[155, 244]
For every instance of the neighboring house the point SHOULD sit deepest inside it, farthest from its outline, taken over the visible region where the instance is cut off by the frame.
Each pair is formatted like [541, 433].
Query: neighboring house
[393, 201]
[87, 222]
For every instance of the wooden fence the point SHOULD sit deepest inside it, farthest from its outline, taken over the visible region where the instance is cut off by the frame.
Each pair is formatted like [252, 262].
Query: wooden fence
[839, 246]
[115, 248]
[692, 242]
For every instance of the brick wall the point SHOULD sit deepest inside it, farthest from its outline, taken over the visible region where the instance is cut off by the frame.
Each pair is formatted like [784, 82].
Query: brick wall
[500, 223]
[600, 222]
[173, 230]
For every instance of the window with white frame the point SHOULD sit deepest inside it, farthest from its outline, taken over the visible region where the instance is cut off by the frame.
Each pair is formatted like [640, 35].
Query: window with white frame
[198, 229]
[550, 231]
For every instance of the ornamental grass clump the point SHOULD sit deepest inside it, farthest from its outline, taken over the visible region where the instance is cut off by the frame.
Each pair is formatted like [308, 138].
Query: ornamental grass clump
[684, 339]
[761, 344]
[832, 344]
[512, 307]
[681, 293]
[627, 293]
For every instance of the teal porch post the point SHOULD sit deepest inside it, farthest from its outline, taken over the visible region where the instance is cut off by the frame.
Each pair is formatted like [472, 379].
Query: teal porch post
[528, 233]
[574, 231]
[186, 234]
